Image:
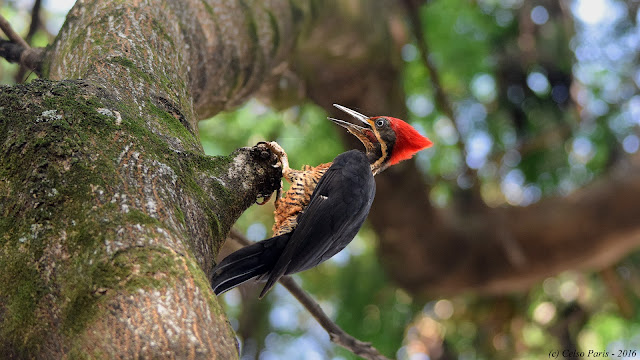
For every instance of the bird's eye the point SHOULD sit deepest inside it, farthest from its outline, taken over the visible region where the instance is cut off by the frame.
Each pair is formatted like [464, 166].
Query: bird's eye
[380, 123]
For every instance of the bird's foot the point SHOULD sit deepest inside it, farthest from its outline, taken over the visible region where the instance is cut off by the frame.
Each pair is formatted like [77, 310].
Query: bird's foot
[287, 172]
[283, 162]
[279, 152]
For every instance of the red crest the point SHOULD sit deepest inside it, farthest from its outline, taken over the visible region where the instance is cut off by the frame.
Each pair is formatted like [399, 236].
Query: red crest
[408, 141]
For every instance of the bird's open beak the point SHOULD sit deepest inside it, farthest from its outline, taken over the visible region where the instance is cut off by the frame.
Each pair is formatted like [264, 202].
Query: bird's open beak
[362, 132]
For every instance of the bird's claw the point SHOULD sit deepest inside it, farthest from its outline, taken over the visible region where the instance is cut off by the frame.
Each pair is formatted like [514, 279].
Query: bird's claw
[283, 163]
[275, 148]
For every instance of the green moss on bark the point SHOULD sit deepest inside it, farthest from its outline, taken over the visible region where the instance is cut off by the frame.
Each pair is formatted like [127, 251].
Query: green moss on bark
[21, 295]
[58, 170]
[46, 158]
[62, 209]
[172, 123]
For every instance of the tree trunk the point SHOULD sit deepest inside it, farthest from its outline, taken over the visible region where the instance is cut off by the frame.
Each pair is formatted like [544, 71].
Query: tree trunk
[111, 212]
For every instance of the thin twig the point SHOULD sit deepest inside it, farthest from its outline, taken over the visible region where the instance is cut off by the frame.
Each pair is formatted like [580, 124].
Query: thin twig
[616, 290]
[16, 50]
[11, 34]
[336, 334]
[35, 21]
[442, 100]
[33, 27]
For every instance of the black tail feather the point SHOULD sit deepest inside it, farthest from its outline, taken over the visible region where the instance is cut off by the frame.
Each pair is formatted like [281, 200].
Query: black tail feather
[249, 262]
[233, 278]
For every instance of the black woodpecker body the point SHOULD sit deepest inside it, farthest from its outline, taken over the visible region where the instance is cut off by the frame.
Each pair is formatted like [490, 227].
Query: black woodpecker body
[338, 207]
[320, 226]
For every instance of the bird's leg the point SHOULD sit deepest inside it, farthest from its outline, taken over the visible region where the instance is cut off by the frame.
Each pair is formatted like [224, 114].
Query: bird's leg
[286, 207]
[303, 182]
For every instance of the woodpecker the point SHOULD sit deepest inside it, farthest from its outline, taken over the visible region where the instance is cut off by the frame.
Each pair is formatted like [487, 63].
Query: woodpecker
[325, 206]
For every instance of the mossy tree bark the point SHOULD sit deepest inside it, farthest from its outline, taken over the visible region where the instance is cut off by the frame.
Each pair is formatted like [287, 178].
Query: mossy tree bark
[111, 214]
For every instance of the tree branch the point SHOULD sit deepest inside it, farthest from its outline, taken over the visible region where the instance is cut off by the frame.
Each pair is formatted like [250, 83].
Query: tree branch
[16, 50]
[10, 51]
[11, 34]
[442, 99]
[443, 102]
[336, 334]
[35, 21]
[432, 251]
[33, 27]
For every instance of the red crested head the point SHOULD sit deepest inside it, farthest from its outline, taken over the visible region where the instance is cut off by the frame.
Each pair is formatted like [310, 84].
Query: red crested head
[387, 140]
[408, 141]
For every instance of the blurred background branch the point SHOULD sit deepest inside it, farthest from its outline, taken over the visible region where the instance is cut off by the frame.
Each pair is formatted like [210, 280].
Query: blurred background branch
[11, 34]
[35, 24]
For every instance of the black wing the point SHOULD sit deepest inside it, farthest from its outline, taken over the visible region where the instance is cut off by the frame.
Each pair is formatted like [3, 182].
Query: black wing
[337, 208]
